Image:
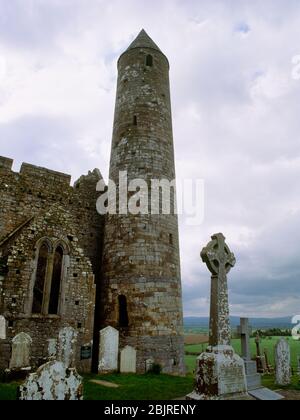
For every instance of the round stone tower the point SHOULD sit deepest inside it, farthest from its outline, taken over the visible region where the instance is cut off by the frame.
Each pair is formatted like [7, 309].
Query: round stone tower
[141, 289]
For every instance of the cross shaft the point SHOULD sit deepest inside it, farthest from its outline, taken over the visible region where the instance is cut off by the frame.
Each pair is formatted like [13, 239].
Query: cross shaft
[219, 260]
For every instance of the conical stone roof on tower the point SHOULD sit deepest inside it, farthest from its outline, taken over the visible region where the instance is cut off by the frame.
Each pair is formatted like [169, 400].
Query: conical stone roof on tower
[143, 40]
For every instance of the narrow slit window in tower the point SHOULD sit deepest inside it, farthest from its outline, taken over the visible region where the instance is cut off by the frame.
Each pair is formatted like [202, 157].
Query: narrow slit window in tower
[56, 281]
[135, 121]
[149, 61]
[123, 313]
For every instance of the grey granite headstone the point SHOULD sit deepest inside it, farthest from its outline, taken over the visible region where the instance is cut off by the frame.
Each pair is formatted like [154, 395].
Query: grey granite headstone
[20, 356]
[128, 360]
[109, 350]
[283, 363]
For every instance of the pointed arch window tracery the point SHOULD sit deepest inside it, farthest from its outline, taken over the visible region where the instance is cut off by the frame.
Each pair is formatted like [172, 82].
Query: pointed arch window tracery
[48, 280]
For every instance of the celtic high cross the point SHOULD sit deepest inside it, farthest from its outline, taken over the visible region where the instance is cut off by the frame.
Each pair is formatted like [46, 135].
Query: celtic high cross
[219, 260]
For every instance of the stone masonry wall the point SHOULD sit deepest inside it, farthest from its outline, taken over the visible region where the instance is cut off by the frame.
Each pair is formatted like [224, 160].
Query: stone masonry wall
[34, 204]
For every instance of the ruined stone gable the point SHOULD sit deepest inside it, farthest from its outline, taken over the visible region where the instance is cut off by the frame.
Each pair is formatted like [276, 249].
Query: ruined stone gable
[41, 213]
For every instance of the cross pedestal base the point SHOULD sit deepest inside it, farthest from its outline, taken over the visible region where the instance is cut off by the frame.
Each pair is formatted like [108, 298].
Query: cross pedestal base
[220, 376]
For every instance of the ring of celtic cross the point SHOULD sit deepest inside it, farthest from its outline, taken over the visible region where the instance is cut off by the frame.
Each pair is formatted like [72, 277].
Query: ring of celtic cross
[217, 255]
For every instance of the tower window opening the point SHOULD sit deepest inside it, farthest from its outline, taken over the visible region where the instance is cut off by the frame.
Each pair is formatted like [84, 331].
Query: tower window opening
[135, 121]
[123, 313]
[171, 241]
[149, 61]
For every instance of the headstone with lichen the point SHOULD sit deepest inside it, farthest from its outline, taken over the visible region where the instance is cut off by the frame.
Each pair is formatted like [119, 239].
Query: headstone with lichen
[283, 363]
[220, 371]
[57, 379]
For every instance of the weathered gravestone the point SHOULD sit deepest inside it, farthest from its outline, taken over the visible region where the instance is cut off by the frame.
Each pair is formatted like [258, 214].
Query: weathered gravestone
[2, 328]
[283, 363]
[52, 381]
[20, 355]
[57, 379]
[67, 346]
[128, 360]
[253, 378]
[220, 371]
[255, 389]
[109, 350]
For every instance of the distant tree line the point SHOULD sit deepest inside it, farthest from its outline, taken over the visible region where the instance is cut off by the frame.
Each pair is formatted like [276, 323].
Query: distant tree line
[273, 332]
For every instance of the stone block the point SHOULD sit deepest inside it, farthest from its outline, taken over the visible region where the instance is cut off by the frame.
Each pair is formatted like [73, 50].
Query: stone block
[52, 382]
[220, 375]
[250, 367]
[109, 350]
[253, 381]
[264, 394]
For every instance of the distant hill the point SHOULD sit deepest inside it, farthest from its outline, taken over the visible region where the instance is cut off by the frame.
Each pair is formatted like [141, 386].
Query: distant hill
[256, 323]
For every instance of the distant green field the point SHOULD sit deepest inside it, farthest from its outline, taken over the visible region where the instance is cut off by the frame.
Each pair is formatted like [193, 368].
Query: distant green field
[196, 330]
[236, 343]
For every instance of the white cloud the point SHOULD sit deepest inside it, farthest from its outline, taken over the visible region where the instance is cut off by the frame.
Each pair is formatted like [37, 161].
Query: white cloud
[235, 112]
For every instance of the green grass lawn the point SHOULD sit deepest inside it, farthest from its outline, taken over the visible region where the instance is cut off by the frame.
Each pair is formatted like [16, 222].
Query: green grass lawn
[8, 391]
[162, 387]
[236, 343]
[269, 382]
[132, 387]
[138, 387]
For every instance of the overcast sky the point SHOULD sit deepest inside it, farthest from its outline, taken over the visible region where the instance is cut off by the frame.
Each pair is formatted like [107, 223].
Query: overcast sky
[236, 114]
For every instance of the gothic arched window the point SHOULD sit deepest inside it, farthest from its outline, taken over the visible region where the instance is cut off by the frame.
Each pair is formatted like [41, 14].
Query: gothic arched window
[40, 279]
[149, 61]
[123, 313]
[56, 281]
[47, 284]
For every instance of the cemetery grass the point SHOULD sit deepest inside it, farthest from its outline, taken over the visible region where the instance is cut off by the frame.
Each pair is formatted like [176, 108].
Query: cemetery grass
[269, 382]
[8, 391]
[138, 387]
[132, 387]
